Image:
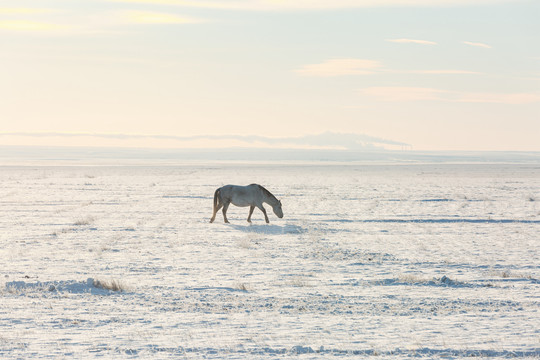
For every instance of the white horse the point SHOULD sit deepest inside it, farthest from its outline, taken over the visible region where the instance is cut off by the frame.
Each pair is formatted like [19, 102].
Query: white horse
[253, 195]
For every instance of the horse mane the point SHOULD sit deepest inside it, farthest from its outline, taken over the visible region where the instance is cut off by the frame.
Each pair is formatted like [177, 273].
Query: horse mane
[266, 192]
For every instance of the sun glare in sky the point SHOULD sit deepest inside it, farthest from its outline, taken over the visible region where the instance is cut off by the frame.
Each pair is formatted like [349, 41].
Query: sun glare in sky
[438, 74]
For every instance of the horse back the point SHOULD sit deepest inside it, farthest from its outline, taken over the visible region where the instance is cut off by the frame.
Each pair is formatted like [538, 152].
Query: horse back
[242, 195]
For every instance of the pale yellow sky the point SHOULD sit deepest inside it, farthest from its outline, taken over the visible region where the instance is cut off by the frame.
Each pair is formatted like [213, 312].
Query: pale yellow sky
[438, 74]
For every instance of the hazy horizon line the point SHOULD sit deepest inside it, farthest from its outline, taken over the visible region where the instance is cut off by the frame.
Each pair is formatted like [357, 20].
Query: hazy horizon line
[21, 155]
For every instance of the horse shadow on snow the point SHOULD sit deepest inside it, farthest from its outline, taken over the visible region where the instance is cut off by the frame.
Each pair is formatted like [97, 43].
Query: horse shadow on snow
[269, 229]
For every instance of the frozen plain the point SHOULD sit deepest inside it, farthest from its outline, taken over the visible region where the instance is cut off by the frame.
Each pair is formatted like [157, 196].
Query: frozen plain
[384, 261]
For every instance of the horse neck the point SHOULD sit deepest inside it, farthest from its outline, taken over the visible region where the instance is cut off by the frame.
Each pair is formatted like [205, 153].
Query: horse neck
[270, 199]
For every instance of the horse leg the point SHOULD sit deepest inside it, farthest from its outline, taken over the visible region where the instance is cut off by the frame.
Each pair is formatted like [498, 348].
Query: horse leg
[251, 208]
[225, 207]
[264, 212]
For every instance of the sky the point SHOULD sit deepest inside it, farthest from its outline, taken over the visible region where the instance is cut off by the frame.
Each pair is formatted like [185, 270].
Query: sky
[419, 74]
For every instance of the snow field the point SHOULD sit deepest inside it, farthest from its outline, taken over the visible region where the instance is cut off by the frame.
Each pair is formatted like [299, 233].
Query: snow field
[438, 261]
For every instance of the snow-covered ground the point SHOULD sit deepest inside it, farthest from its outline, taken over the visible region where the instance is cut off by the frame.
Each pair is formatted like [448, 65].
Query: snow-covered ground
[436, 261]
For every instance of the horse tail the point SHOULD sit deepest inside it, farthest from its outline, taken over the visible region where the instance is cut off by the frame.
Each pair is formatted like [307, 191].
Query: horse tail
[217, 196]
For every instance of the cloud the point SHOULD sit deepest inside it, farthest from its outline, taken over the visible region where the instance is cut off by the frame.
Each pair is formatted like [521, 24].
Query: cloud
[477, 44]
[25, 25]
[398, 94]
[150, 17]
[443, 72]
[351, 66]
[34, 20]
[15, 11]
[339, 67]
[412, 41]
[23, 19]
[510, 99]
[283, 5]
[69, 21]
[408, 94]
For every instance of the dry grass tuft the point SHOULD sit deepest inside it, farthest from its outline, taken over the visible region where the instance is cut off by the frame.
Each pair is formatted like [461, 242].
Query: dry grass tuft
[244, 243]
[112, 285]
[85, 221]
[241, 287]
[507, 274]
[413, 279]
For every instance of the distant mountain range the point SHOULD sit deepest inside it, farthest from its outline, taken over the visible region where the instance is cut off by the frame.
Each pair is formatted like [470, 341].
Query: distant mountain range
[327, 140]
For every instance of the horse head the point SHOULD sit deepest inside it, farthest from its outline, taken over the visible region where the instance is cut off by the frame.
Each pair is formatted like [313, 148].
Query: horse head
[277, 210]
